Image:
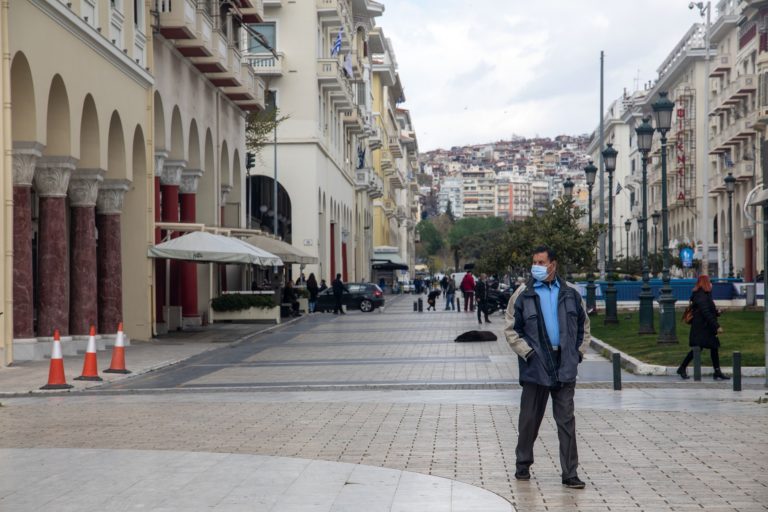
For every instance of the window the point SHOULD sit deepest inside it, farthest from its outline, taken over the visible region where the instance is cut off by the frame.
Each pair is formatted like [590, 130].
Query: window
[268, 30]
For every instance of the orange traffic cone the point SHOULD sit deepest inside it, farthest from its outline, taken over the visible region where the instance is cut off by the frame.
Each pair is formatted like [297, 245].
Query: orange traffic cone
[90, 372]
[118, 353]
[56, 378]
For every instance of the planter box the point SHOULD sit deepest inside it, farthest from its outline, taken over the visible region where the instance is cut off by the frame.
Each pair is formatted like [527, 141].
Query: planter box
[303, 305]
[248, 315]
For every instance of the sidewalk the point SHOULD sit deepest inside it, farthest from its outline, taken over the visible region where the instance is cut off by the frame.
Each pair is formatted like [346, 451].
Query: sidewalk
[141, 357]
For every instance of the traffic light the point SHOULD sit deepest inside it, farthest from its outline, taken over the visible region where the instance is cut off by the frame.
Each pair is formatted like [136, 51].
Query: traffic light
[249, 160]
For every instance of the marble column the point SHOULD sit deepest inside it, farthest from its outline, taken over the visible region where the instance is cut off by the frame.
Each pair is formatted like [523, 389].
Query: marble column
[109, 207]
[51, 183]
[25, 154]
[160, 157]
[170, 182]
[188, 269]
[225, 191]
[83, 298]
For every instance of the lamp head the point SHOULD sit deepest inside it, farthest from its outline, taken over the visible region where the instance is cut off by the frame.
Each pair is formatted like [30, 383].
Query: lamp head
[628, 225]
[568, 188]
[644, 136]
[609, 157]
[591, 172]
[730, 183]
[655, 216]
[662, 111]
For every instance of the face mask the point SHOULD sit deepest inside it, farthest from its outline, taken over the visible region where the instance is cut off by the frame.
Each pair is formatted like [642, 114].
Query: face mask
[539, 272]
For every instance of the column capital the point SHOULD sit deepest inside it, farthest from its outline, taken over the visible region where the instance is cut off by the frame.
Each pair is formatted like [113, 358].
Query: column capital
[225, 191]
[25, 155]
[160, 157]
[172, 172]
[52, 175]
[189, 180]
[111, 195]
[84, 186]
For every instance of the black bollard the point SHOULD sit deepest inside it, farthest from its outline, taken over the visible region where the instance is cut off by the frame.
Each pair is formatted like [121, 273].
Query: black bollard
[616, 359]
[421, 305]
[697, 364]
[415, 306]
[737, 371]
[458, 305]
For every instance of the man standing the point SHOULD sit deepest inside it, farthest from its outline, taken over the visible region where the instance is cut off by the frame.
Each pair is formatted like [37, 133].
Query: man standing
[468, 291]
[548, 328]
[338, 292]
[481, 295]
[450, 293]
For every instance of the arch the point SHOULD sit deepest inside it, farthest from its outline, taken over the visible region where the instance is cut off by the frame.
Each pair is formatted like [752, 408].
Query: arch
[177, 150]
[116, 164]
[224, 163]
[90, 157]
[58, 138]
[23, 113]
[160, 140]
[206, 187]
[193, 162]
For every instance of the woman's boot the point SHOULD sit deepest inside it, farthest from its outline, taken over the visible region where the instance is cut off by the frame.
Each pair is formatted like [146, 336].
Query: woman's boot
[720, 375]
[681, 371]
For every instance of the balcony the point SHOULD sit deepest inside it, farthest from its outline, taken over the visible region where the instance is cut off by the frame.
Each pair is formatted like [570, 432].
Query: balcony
[331, 77]
[273, 3]
[389, 207]
[337, 13]
[363, 179]
[254, 13]
[250, 95]
[177, 19]
[394, 146]
[235, 73]
[200, 44]
[375, 187]
[743, 170]
[266, 64]
[721, 64]
[353, 120]
[400, 213]
[218, 60]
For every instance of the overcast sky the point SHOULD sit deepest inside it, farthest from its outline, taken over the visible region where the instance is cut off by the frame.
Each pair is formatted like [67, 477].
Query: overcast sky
[481, 70]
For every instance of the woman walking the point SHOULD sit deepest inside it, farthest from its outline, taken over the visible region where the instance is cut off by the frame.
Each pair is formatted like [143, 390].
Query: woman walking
[704, 327]
[313, 290]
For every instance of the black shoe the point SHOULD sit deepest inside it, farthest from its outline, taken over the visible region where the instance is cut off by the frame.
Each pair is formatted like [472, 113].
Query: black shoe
[683, 374]
[523, 474]
[573, 483]
[487, 321]
[720, 375]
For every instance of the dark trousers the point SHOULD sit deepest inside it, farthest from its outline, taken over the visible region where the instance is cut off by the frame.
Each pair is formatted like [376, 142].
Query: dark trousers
[715, 358]
[469, 301]
[482, 309]
[337, 307]
[533, 403]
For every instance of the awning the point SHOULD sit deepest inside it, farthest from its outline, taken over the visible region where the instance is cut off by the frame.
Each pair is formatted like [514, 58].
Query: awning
[387, 259]
[206, 247]
[286, 252]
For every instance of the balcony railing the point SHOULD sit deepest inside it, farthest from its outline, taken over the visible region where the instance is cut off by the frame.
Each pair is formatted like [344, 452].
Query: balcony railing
[266, 64]
[331, 77]
[394, 146]
[177, 18]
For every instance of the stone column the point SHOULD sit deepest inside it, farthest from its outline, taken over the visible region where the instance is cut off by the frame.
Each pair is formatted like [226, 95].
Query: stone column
[109, 207]
[25, 154]
[51, 183]
[161, 328]
[170, 182]
[225, 191]
[83, 297]
[188, 269]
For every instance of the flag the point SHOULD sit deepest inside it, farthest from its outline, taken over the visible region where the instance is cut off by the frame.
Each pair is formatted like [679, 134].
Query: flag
[348, 64]
[727, 159]
[618, 188]
[336, 48]
[360, 157]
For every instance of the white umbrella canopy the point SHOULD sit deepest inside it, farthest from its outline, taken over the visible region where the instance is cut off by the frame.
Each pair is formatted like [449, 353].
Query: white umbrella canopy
[209, 248]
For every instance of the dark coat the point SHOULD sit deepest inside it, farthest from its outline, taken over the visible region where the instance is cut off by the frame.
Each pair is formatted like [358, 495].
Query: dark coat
[481, 291]
[527, 335]
[313, 290]
[704, 326]
[338, 287]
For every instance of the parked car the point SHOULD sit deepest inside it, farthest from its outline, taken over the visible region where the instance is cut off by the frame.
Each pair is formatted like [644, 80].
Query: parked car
[363, 296]
[407, 286]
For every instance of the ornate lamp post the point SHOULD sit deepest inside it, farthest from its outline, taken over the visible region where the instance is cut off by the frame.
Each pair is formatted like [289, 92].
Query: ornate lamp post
[644, 140]
[609, 158]
[627, 227]
[591, 172]
[568, 188]
[655, 216]
[662, 111]
[730, 186]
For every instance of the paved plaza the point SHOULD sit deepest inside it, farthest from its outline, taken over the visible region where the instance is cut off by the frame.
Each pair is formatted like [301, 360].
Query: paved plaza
[378, 411]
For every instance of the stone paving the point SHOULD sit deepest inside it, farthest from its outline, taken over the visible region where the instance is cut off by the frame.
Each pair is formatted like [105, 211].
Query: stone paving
[668, 447]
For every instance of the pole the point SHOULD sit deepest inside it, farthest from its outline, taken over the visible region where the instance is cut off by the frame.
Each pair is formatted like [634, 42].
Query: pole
[646, 296]
[611, 315]
[730, 234]
[705, 181]
[668, 333]
[764, 165]
[655, 245]
[626, 260]
[274, 191]
[591, 301]
[601, 209]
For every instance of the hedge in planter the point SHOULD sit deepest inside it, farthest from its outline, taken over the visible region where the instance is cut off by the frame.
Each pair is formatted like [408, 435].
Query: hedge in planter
[238, 302]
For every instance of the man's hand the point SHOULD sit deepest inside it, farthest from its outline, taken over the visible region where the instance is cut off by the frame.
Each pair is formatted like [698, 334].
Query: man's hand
[719, 330]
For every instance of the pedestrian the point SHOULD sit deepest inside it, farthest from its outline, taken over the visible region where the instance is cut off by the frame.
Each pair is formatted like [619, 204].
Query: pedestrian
[289, 297]
[338, 293]
[444, 283]
[323, 285]
[481, 296]
[547, 326]
[313, 290]
[382, 284]
[468, 291]
[704, 327]
[432, 298]
[450, 294]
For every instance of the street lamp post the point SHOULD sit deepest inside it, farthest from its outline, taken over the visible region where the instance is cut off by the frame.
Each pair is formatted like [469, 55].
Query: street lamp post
[662, 111]
[627, 227]
[611, 317]
[591, 172]
[730, 186]
[655, 216]
[568, 185]
[644, 140]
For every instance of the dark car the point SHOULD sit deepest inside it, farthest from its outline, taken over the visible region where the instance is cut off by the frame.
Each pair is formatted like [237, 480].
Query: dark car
[363, 296]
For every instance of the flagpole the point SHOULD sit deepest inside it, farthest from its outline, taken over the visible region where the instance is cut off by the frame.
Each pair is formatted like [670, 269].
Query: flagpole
[601, 209]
